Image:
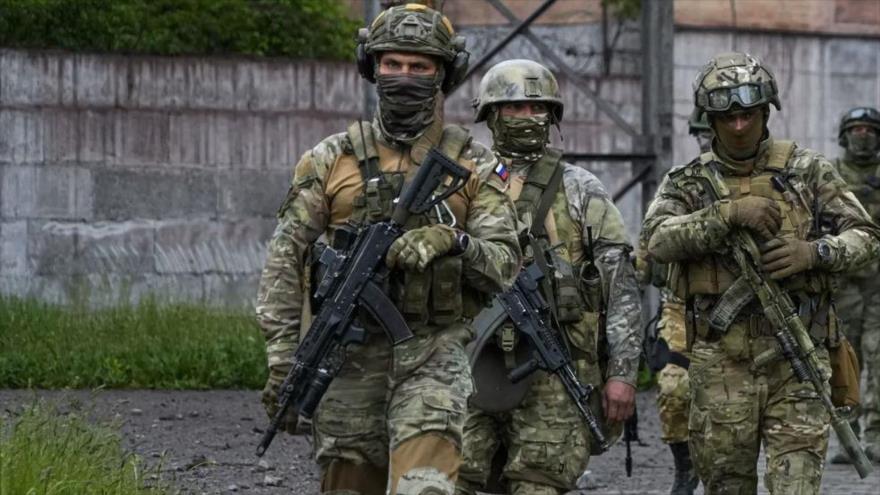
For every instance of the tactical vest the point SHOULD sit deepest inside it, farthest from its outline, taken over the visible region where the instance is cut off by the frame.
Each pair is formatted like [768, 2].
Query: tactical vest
[713, 274]
[707, 283]
[437, 295]
[864, 182]
[534, 206]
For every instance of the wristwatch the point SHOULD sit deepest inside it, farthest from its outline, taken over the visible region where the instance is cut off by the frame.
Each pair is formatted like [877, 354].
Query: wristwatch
[823, 250]
[461, 243]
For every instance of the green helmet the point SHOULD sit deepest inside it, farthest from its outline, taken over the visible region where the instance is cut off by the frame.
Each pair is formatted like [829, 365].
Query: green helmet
[857, 116]
[698, 123]
[731, 78]
[518, 80]
[413, 28]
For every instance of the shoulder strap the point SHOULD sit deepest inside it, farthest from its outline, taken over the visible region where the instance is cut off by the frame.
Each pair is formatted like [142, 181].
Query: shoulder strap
[363, 143]
[540, 189]
[780, 152]
[453, 141]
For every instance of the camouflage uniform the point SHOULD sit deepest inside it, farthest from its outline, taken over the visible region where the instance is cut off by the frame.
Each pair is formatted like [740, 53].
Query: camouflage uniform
[672, 381]
[858, 300]
[389, 406]
[735, 408]
[546, 443]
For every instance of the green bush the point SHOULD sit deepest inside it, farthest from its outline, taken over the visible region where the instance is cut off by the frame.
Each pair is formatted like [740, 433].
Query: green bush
[43, 451]
[146, 346]
[286, 28]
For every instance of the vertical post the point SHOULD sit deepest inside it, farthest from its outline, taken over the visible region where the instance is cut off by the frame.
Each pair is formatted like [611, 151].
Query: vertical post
[657, 91]
[657, 104]
[371, 10]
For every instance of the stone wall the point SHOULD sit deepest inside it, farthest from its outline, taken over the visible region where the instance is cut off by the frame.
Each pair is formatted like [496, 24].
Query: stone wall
[126, 176]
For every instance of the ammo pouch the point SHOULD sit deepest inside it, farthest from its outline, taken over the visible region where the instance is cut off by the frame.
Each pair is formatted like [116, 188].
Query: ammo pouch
[566, 293]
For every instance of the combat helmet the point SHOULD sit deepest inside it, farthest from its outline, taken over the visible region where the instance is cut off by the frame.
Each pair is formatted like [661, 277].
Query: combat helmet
[731, 78]
[413, 27]
[857, 116]
[518, 80]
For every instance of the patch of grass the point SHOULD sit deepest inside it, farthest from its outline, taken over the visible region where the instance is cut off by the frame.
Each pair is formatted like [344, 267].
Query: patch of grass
[144, 346]
[44, 452]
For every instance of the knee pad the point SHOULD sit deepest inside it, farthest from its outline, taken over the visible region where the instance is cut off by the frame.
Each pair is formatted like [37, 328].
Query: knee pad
[425, 481]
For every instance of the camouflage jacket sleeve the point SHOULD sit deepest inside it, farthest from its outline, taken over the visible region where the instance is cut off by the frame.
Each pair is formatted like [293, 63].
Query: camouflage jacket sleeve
[854, 238]
[302, 218]
[492, 258]
[590, 205]
[677, 230]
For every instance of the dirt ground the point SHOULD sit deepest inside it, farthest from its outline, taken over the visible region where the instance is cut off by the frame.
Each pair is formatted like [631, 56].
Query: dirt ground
[205, 441]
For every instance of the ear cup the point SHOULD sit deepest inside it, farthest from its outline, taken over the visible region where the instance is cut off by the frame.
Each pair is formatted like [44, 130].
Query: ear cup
[456, 70]
[841, 140]
[365, 63]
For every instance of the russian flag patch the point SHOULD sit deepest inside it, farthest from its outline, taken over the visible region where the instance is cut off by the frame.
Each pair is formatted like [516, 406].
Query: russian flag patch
[501, 171]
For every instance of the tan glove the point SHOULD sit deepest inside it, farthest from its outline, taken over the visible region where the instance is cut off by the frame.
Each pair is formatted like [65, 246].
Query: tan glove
[270, 399]
[416, 248]
[759, 214]
[785, 257]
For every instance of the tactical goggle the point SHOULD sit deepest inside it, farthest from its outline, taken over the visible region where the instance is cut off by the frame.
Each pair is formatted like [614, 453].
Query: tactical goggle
[863, 113]
[747, 95]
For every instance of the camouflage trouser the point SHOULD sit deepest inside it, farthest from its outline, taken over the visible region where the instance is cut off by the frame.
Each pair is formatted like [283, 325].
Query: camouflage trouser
[858, 305]
[733, 410]
[672, 380]
[384, 397]
[547, 445]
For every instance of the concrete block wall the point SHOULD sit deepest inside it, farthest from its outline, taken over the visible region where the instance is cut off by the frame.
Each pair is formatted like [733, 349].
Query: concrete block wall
[820, 77]
[124, 176]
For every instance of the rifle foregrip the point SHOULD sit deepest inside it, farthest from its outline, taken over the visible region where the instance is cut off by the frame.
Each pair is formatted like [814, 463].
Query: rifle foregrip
[522, 371]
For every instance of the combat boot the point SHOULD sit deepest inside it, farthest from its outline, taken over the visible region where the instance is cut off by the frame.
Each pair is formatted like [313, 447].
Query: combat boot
[872, 451]
[686, 480]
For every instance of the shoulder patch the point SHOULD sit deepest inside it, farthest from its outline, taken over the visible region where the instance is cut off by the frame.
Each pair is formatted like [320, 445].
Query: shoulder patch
[501, 171]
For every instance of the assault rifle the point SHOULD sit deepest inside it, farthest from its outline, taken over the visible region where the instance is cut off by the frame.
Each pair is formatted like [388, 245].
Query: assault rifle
[529, 313]
[793, 341]
[352, 280]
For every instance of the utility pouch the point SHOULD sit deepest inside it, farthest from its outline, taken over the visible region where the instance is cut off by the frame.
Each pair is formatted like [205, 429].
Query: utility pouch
[568, 301]
[446, 300]
[844, 375]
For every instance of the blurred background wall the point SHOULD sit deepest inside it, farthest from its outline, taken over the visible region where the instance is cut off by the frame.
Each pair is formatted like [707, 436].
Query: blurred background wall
[122, 176]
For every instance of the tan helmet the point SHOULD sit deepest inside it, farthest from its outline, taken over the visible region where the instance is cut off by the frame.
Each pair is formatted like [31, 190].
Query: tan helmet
[518, 80]
[413, 27]
[734, 78]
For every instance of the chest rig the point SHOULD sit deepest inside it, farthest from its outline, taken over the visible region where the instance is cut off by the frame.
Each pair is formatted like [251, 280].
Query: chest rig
[864, 182]
[716, 296]
[534, 202]
[435, 296]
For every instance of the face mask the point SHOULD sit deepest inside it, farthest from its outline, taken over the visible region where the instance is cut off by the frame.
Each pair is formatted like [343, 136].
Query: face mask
[863, 145]
[520, 137]
[406, 104]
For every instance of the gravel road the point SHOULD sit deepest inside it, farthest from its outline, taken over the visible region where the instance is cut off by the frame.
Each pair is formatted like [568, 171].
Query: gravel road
[205, 441]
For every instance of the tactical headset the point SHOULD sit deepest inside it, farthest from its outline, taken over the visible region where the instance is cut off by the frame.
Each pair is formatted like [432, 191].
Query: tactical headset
[454, 70]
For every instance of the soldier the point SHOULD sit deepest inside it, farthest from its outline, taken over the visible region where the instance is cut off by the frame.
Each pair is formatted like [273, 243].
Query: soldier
[858, 300]
[546, 444]
[391, 421]
[672, 379]
[792, 200]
